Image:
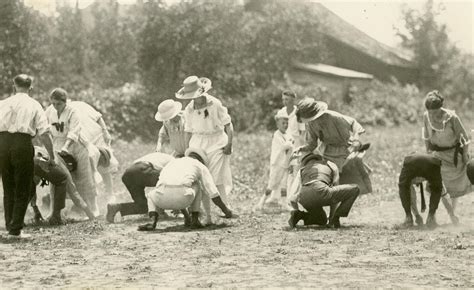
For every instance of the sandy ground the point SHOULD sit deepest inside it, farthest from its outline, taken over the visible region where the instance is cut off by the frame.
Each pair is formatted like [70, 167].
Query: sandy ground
[255, 250]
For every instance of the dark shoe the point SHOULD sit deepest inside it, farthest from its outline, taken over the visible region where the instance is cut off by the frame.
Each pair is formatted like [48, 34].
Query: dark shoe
[334, 223]
[112, 210]
[295, 217]
[195, 223]
[431, 222]
[419, 220]
[54, 220]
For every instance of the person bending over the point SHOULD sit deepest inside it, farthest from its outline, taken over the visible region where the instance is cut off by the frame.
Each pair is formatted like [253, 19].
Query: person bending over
[183, 183]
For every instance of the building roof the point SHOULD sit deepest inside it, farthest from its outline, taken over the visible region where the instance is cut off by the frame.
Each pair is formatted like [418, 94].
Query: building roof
[338, 29]
[332, 71]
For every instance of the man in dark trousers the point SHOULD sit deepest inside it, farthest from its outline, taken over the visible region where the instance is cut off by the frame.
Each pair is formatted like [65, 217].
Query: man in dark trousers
[319, 187]
[144, 172]
[22, 118]
[427, 167]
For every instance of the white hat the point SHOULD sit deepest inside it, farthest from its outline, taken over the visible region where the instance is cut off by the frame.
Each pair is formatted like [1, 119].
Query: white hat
[193, 87]
[281, 115]
[167, 110]
[199, 152]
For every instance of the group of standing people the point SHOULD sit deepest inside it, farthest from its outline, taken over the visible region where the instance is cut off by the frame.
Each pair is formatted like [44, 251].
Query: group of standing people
[77, 156]
[316, 159]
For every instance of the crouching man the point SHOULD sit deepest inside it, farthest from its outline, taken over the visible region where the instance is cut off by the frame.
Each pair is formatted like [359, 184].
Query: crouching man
[428, 168]
[183, 183]
[144, 172]
[61, 183]
[319, 187]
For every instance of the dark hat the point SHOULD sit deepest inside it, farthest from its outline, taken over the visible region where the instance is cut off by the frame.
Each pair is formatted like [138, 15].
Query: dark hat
[308, 109]
[70, 161]
[434, 100]
[470, 171]
[311, 156]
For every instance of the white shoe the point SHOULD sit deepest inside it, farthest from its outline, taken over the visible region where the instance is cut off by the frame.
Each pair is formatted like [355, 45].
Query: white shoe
[20, 236]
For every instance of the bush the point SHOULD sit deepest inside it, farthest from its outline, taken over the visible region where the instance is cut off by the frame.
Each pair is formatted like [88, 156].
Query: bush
[129, 111]
[385, 104]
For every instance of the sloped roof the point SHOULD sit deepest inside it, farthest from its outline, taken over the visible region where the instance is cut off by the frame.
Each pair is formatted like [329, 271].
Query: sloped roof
[337, 28]
[332, 70]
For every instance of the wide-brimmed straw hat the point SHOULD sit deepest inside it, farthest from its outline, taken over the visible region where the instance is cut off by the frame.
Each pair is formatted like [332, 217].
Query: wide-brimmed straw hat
[199, 152]
[193, 87]
[309, 109]
[167, 110]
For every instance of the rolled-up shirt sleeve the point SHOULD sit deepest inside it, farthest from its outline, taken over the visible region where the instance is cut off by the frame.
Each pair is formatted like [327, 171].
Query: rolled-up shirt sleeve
[207, 182]
[74, 126]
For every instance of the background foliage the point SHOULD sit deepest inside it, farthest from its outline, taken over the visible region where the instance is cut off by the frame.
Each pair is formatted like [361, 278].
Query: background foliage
[126, 59]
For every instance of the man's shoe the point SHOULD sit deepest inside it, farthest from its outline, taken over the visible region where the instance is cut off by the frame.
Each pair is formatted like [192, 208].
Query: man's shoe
[419, 220]
[18, 236]
[195, 223]
[112, 210]
[431, 222]
[295, 217]
[334, 223]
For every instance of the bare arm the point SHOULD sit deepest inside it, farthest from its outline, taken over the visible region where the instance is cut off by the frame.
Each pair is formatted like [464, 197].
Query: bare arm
[229, 130]
[47, 141]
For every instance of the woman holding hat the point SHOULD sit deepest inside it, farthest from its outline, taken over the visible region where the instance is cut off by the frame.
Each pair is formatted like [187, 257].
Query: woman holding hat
[446, 138]
[209, 127]
[172, 137]
[336, 136]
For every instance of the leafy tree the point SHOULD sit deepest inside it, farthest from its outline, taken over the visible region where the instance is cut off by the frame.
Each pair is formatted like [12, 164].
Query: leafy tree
[23, 42]
[429, 42]
[69, 59]
[112, 50]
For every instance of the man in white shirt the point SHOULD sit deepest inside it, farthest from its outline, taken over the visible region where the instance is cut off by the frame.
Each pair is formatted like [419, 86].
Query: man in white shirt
[295, 129]
[144, 172]
[183, 183]
[22, 118]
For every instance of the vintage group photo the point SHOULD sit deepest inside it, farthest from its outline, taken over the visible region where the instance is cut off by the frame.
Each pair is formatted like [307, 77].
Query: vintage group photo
[236, 144]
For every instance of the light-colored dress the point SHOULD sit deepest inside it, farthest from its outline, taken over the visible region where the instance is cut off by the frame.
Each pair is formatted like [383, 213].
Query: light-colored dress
[294, 128]
[67, 126]
[92, 135]
[452, 133]
[208, 134]
[330, 134]
[172, 138]
[282, 147]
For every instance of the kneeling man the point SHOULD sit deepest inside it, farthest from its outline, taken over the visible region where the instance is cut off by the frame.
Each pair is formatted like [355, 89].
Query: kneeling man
[183, 183]
[144, 172]
[426, 167]
[319, 187]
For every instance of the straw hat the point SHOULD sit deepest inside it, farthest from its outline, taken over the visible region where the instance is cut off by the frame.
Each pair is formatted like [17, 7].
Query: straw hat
[199, 152]
[168, 109]
[193, 87]
[309, 109]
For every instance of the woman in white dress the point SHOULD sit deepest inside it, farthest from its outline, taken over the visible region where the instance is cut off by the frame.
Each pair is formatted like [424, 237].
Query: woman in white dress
[209, 127]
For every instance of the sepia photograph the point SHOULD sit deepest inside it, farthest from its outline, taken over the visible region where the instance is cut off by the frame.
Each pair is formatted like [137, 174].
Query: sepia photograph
[236, 144]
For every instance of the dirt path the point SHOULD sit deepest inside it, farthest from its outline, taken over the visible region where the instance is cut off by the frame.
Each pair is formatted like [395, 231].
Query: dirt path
[256, 250]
